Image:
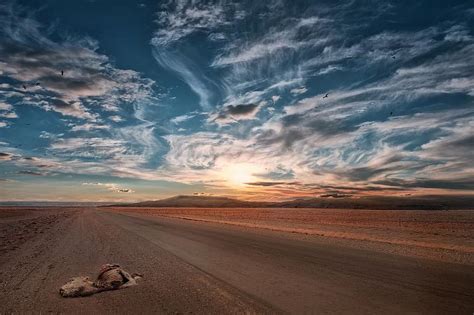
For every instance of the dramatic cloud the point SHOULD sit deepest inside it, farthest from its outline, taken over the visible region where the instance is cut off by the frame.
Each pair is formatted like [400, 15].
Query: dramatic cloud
[110, 187]
[69, 77]
[258, 100]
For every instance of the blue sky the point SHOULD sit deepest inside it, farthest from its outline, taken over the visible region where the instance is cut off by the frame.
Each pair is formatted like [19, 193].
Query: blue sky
[124, 100]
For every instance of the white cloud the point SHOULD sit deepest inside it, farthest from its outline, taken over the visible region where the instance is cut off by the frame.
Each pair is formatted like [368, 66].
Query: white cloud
[88, 127]
[271, 43]
[179, 19]
[6, 111]
[298, 91]
[5, 106]
[89, 79]
[116, 118]
[185, 69]
[179, 119]
[89, 147]
[110, 187]
[329, 69]
[8, 115]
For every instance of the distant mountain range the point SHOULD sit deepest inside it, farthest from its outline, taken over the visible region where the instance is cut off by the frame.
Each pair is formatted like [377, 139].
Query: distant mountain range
[200, 202]
[383, 203]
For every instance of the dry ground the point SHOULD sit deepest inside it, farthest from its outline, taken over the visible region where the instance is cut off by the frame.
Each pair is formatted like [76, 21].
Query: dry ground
[42, 248]
[242, 261]
[439, 235]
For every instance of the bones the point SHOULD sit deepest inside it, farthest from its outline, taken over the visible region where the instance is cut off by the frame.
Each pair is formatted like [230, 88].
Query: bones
[111, 277]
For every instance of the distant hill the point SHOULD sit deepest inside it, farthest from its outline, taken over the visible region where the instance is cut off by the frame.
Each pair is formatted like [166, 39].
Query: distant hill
[382, 203]
[385, 203]
[199, 202]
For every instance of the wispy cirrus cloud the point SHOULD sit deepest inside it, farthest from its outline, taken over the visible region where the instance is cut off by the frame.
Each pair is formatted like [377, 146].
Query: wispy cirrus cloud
[363, 132]
[277, 99]
[69, 76]
[178, 19]
[186, 70]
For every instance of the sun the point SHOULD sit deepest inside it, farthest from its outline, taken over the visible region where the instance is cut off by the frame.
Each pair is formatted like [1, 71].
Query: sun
[240, 174]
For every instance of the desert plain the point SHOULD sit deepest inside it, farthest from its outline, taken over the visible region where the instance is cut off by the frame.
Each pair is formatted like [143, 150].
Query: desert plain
[238, 260]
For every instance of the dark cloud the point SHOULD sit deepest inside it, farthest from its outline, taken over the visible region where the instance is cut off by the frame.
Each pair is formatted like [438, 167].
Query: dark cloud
[330, 127]
[30, 173]
[236, 112]
[287, 137]
[359, 189]
[454, 184]
[278, 173]
[466, 142]
[28, 57]
[44, 166]
[296, 127]
[5, 156]
[335, 195]
[460, 147]
[241, 109]
[273, 183]
[325, 127]
[365, 173]
[88, 84]
[385, 166]
[265, 183]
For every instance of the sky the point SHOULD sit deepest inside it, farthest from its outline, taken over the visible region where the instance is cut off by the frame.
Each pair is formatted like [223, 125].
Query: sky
[105, 100]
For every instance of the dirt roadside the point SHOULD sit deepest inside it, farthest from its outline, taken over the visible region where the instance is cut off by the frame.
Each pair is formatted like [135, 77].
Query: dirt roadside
[43, 249]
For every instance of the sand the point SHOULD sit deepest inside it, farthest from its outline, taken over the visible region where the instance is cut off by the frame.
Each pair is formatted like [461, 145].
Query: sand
[438, 235]
[234, 261]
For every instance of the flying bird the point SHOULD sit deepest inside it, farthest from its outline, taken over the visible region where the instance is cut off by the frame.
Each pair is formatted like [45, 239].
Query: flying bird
[391, 113]
[62, 72]
[326, 96]
[24, 87]
[38, 84]
[393, 57]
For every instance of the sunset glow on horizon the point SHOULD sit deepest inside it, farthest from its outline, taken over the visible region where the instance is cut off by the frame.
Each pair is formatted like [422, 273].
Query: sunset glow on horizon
[258, 101]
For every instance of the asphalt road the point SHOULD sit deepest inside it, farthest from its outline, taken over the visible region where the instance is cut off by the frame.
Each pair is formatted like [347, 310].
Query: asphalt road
[209, 268]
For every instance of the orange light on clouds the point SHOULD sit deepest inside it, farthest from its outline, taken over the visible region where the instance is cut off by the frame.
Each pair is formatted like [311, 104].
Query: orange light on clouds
[237, 175]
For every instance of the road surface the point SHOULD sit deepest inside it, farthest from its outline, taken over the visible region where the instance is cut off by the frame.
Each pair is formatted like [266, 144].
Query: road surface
[210, 268]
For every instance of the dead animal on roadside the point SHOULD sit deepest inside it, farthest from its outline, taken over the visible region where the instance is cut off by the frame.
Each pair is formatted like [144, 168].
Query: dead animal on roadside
[111, 277]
